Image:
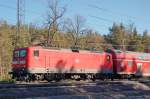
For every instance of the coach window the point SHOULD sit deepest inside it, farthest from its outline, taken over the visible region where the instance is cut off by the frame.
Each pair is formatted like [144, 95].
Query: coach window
[130, 63]
[36, 53]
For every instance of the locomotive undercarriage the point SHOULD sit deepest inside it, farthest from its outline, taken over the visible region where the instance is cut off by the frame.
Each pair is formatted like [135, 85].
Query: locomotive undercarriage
[62, 76]
[24, 75]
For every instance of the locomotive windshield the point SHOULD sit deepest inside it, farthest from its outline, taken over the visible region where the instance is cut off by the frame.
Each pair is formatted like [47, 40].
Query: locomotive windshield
[20, 53]
[16, 54]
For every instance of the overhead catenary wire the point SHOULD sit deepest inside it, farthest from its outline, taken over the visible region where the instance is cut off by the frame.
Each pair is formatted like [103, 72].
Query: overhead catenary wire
[118, 13]
[101, 18]
[115, 13]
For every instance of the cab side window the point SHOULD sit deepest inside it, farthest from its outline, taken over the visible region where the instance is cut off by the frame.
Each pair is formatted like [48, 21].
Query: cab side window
[36, 53]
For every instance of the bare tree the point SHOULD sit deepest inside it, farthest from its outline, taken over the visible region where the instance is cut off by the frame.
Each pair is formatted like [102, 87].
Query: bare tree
[75, 28]
[54, 14]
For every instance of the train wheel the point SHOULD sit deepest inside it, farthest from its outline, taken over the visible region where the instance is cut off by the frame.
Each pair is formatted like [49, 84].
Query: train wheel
[77, 77]
[93, 77]
[59, 77]
[49, 77]
[27, 78]
[83, 77]
[129, 77]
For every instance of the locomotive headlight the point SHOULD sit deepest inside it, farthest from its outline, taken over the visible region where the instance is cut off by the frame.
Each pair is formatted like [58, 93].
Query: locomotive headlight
[23, 62]
[15, 62]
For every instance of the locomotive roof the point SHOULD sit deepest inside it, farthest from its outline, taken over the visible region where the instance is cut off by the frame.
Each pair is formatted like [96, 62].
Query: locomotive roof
[73, 50]
[63, 49]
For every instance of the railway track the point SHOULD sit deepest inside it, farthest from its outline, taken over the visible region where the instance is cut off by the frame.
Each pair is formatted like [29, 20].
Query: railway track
[90, 90]
[69, 83]
[53, 84]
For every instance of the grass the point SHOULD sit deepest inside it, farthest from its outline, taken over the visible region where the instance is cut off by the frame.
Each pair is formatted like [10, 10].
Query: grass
[6, 79]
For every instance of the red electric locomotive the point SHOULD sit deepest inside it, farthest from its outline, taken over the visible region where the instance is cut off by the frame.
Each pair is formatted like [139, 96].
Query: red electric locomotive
[55, 64]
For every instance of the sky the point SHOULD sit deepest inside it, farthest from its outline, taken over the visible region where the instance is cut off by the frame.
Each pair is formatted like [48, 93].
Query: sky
[99, 14]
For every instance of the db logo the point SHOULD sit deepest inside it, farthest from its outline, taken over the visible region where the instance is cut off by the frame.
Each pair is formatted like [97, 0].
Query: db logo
[76, 60]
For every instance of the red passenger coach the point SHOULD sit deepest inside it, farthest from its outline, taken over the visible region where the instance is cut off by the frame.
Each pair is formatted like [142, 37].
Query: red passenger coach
[131, 63]
[49, 64]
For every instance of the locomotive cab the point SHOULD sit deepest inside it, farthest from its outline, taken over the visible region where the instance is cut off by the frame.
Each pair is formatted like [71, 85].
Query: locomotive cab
[19, 63]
